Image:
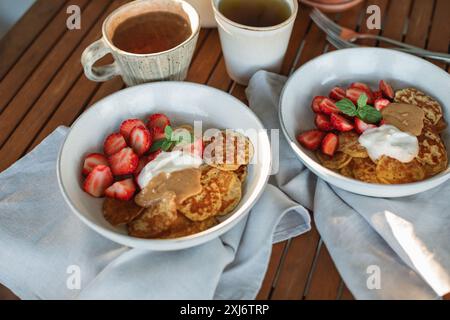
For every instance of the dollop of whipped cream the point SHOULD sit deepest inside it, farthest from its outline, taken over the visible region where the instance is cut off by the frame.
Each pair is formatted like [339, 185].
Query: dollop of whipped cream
[168, 162]
[389, 141]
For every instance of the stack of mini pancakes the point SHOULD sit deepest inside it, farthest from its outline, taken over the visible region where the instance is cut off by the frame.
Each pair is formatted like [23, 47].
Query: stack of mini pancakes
[352, 159]
[222, 183]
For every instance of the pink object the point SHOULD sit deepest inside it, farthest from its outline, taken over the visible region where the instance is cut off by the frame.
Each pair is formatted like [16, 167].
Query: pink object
[331, 5]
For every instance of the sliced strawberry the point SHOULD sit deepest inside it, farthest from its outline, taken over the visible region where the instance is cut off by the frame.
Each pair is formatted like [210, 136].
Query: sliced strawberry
[361, 126]
[327, 106]
[124, 162]
[311, 139]
[365, 88]
[98, 181]
[381, 103]
[140, 140]
[330, 144]
[354, 93]
[141, 164]
[122, 190]
[157, 133]
[323, 122]
[128, 125]
[387, 90]
[92, 160]
[377, 95]
[114, 143]
[337, 94]
[158, 120]
[340, 123]
[316, 103]
[152, 156]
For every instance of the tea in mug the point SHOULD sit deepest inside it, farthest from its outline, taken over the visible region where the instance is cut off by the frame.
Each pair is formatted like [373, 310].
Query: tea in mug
[151, 32]
[256, 13]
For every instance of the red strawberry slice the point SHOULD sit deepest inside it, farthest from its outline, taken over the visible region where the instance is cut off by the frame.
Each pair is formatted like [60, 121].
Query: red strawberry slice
[387, 90]
[140, 140]
[330, 144]
[92, 160]
[316, 103]
[377, 95]
[381, 103]
[122, 190]
[114, 143]
[158, 120]
[361, 126]
[152, 156]
[323, 122]
[128, 125]
[157, 133]
[365, 88]
[354, 93]
[311, 139]
[124, 162]
[337, 94]
[340, 123]
[98, 181]
[141, 164]
[327, 106]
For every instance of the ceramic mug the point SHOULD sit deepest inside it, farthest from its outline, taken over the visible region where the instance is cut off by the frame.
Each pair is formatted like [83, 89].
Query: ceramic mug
[248, 49]
[135, 69]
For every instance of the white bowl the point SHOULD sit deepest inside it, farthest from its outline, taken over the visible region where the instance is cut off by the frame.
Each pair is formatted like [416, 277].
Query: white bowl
[370, 65]
[183, 103]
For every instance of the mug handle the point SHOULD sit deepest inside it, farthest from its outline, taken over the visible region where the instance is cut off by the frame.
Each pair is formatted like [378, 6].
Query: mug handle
[91, 55]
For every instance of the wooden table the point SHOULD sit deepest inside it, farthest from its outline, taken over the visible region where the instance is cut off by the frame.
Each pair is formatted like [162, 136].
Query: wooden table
[42, 86]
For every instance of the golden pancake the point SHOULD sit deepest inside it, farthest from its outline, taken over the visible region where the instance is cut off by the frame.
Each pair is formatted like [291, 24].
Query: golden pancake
[432, 151]
[228, 150]
[338, 161]
[347, 171]
[155, 219]
[118, 212]
[183, 227]
[392, 171]
[349, 144]
[204, 205]
[441, 126]
[364, 169]
[229, 187]
[432, 108]
[242, 173]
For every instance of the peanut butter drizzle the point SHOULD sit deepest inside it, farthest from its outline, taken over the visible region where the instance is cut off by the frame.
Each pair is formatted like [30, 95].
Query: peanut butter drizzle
[405, 117]
[184, 183]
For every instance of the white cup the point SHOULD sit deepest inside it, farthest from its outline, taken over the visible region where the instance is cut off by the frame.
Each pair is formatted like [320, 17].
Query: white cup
[249, 49]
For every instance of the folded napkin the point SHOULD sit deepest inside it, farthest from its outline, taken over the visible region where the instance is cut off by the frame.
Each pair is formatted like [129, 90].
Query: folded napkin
[46, 252]
[383, 248]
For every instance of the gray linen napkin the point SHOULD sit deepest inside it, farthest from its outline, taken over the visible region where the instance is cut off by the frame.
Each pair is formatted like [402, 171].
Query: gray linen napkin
[383, 248]
[46, 252]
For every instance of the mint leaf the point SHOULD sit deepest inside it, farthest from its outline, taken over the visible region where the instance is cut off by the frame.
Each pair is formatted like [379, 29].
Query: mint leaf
[168, 132]
[347, 107]
[362, 101]
[166, 145]
[369, 114]
[157, 145]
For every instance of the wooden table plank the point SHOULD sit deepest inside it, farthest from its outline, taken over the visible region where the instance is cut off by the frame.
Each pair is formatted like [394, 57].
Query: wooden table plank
[325, 280]
[383, 5]
[439, 39]
[396, 19]
[39, 83]
[419, 22]
[25, 31]
[208, 55]
[31, 58]
[272, 271]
